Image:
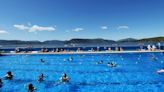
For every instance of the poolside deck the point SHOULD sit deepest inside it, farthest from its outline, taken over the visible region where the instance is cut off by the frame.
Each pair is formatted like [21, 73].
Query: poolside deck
[84, 52]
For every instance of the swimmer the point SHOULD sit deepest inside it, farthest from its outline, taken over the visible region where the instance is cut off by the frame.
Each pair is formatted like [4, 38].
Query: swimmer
[160, 71]
[64, 78]
[153, 58]
[40, 77]
[9, 75]
[31, 88]
[112, 64]
[41, 60]
[70, 59]
[100, 62]
[1, 83]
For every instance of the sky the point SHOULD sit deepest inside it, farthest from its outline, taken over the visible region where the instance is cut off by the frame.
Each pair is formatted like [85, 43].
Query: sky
[66, 19]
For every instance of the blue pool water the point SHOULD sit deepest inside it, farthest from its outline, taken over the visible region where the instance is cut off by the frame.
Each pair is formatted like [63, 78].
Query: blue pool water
[136, 72]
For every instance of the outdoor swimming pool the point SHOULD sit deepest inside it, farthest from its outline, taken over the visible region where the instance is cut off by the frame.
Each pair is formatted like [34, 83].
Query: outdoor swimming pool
[136, 72]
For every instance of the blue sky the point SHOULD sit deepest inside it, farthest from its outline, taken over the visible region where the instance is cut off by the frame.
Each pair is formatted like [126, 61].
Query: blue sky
[66, 19]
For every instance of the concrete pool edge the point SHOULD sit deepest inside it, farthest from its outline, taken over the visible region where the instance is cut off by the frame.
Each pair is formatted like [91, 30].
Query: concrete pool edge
[85, 52]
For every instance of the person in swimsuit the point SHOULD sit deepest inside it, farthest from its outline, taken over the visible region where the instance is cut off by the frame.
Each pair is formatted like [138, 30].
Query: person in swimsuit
[31, 87]
[9, 75]
[64, 78]
[40, 77]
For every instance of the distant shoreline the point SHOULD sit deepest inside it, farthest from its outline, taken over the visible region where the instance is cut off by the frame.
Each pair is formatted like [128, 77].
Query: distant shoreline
[80, 42]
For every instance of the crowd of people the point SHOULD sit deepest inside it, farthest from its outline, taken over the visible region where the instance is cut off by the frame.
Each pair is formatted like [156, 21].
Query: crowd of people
[65, 50]
[9, 76]
[64, 78]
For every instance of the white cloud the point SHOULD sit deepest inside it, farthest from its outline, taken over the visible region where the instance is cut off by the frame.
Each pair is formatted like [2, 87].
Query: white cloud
[41, 28]
[3, 32]
[104, 27]
[21, 27]
[77, 29]
[34, 28]
[122, 27]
